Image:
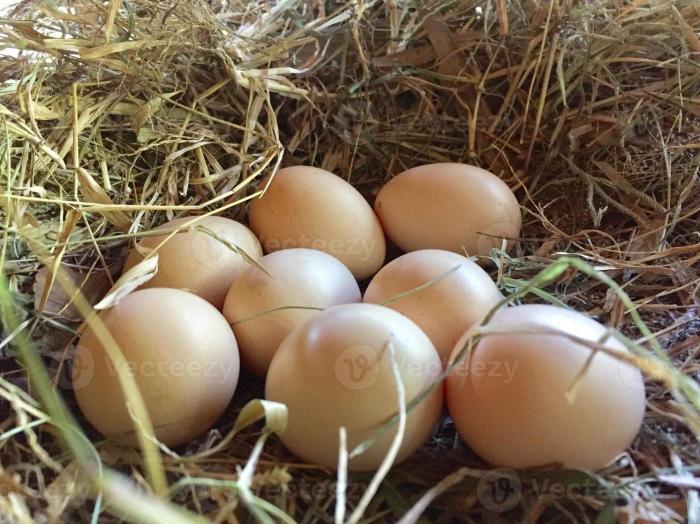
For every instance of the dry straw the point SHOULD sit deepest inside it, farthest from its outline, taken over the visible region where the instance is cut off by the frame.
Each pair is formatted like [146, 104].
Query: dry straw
[118, 115]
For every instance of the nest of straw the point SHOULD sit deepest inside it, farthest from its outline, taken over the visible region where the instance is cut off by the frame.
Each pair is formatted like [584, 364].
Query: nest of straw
[117, 116]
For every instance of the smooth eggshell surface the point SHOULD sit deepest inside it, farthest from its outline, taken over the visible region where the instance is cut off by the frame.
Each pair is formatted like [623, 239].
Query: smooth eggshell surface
[183, 356]
[308, 207]
[292, 277]
[443, 292]
[335, 370]
[455, 207]
[196, 261]
[511, 399]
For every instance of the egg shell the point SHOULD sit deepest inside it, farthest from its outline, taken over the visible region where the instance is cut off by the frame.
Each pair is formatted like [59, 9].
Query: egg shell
[455, 207]
[335, 370]
[443, 292]
[292, 277]
[196, 261]
[509, 398]
[311, 208]
[183, 356]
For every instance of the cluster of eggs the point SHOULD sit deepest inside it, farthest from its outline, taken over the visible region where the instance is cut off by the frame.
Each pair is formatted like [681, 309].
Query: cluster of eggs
[530, 392]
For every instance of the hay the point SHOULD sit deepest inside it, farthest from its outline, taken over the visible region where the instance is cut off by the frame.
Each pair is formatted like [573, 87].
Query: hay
[118, 116]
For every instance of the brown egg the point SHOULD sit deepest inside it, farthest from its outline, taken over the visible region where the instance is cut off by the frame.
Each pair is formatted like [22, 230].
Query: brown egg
[183, 356]
[195, 260]
[454, 293]
[312, 208]
[335, 370]
[509, 398]
[456, 207]
[292, 277]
